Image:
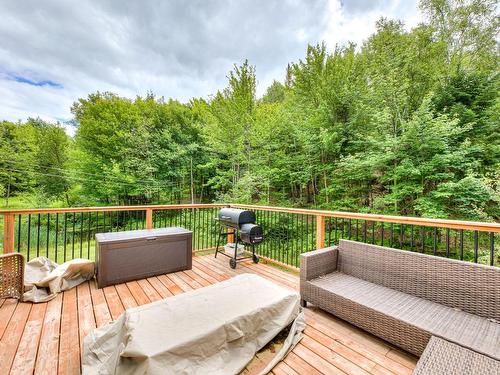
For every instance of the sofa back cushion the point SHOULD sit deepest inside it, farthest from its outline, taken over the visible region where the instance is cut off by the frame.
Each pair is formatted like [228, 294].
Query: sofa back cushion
[473, 288]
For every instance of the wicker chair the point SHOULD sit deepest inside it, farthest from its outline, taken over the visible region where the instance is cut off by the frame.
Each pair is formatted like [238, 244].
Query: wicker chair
[11, 275]
[404, 297]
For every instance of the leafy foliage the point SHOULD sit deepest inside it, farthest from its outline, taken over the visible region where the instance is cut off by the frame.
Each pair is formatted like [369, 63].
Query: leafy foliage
[406, 123]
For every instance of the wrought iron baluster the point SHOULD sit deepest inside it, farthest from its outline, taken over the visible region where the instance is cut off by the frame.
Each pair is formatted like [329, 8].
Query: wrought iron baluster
[301, 233]
[461, 244]
[204, 236]
[19, 233]
[476, 246]
[492, 248]
[57, 232]
[307, 233]
[382, 234]
[280, 237]
[335, 231]
[364, 231]
[88, 234]
[313, 233]
[48, 236]
[296, 235]
[65, 235]
[423, 239]
[73, 237]
[357, 229]
[329, 227]
[199, 228]
[412, 243]
[434, 243]
[29, 237]
[447, 242]
[38, 236]
[81, 234]
[288, 246]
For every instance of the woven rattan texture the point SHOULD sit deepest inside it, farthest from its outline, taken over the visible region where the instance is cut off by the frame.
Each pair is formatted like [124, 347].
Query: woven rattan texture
[467, 286]
[444, 358]
[405, 297]
[11, 275]
[429, 317]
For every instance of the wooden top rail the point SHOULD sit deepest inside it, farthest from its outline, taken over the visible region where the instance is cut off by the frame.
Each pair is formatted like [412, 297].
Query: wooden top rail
[110, 208]
[441, 223]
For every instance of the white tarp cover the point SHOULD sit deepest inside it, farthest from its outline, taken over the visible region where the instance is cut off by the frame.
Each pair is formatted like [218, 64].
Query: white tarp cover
[43, 278]
[212, 330]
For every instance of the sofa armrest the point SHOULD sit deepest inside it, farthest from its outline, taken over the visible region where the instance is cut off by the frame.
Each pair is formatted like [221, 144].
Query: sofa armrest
[318, 263]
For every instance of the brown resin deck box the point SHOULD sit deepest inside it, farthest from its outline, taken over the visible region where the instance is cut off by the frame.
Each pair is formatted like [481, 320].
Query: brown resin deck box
[137, 254]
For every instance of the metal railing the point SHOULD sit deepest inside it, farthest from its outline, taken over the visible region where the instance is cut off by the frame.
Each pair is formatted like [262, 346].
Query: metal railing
[68, 233]
[291, 231]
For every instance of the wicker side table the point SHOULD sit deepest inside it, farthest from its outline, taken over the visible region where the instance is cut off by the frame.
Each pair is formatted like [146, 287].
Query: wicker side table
[443, 357]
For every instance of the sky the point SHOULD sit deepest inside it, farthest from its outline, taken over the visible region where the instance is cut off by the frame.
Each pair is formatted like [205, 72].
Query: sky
[53, 52]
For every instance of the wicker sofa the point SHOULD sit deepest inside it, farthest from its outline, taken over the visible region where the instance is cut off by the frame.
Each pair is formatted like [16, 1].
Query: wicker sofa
[405, 297]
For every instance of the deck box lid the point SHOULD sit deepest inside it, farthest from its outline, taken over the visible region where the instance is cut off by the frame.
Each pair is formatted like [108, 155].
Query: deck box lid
[133, 235]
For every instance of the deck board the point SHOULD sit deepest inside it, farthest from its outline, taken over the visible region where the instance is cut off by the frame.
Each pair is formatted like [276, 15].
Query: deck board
[6, 311]
[101, 310]
[12, 336]
[24, 361]
[47, 362]
[161, 289]
[69, 343]
[149, 290]
[86, 318]
[113, 301]
[46, 338]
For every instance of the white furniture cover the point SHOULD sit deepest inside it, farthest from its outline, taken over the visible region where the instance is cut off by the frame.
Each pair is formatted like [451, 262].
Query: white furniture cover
[212, 330]
[43, 278]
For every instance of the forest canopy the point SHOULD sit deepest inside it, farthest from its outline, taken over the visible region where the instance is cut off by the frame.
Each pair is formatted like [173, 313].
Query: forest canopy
[406, 123]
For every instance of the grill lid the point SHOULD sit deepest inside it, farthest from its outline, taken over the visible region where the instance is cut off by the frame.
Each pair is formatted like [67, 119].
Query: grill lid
[234, 217]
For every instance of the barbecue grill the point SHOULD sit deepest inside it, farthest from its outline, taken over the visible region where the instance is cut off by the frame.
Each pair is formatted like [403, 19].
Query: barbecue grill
[241, 224]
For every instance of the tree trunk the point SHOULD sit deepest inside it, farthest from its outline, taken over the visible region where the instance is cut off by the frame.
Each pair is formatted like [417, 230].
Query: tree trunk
[326, 188]
[201, 190]
[8, 194]
[268, 192]
[192, 184]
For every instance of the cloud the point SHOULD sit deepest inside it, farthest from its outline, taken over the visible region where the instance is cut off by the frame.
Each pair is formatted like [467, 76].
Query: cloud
[355, 20]
[57, 51]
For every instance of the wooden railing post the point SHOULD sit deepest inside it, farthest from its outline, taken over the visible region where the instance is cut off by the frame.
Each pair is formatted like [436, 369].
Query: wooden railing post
[230, 236]
[320, 231]
[8, 233]
[149, 218]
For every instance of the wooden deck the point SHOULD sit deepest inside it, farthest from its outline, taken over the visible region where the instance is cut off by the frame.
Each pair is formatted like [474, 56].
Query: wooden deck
[47, 338]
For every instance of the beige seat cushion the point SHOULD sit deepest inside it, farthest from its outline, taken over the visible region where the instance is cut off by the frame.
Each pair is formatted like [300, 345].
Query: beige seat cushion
[468, 330]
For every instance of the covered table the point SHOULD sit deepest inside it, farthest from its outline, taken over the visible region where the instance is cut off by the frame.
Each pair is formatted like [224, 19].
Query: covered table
[212, 330]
